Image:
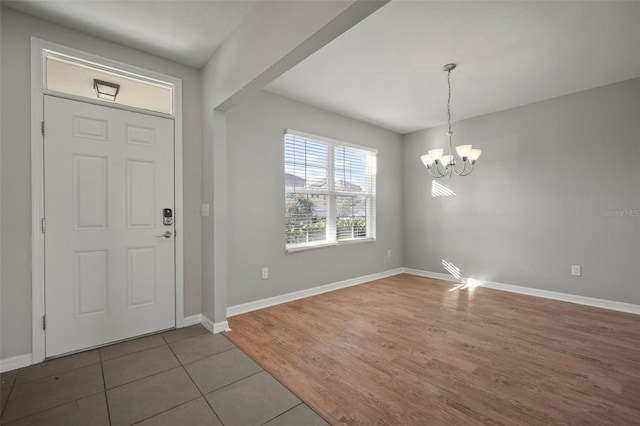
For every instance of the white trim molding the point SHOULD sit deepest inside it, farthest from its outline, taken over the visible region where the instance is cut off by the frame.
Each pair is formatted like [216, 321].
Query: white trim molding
[221, 326]
[15, 362]
[289, 297]
[192, 320]
[38, 89]
[428, 274]
[529, 291]
[215, 328]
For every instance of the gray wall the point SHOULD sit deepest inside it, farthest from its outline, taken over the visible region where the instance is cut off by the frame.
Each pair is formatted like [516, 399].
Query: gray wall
[538, 199]
[255, 133]
[15, 286]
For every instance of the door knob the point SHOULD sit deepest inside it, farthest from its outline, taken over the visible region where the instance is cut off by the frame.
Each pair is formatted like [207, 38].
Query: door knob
[165, 235]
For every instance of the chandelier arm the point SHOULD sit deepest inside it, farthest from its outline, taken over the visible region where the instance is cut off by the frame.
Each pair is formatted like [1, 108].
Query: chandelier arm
[444, 172]
[469, 172]
[438, 176]
[461, 172]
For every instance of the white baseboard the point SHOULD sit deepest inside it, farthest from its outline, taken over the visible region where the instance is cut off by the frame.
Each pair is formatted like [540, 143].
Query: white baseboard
[207, 323]
[15, 362]
[216, 327]
[529, 291]
[289, 297]
[219, 327]
[192, 320]
[428, 274]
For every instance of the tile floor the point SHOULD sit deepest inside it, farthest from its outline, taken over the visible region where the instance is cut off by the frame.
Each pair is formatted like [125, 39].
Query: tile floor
[181, 377]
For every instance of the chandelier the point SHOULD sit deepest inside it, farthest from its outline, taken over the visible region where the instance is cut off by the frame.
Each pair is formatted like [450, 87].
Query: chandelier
[440, 164]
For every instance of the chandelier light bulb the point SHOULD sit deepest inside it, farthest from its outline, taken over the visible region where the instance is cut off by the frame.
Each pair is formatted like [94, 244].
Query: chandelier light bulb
[474, 155]
[463, 150]
[446, 160]
[436, 153]
[427, 160]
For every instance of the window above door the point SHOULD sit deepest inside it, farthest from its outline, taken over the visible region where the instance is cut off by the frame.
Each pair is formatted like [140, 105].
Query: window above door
[72, 76]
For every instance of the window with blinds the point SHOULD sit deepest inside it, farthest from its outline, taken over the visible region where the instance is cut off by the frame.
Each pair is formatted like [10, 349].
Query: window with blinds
[329, 191]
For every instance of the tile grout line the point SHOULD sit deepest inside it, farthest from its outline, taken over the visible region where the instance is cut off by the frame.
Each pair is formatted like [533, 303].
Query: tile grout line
[214, 411]
[284, 412]
[239, 380]
[164, 371]
[50, 408]
[59, 372]
[142, 378]
[43, 378]
[150, 375]
[104, 386]
[195, 384]
[164, 411]
[208, 356]
[134, 352]
[4, 406]
[184, 338]
[151, 347]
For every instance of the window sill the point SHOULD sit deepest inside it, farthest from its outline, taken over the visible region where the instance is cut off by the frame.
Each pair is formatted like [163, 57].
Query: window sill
[333, 243]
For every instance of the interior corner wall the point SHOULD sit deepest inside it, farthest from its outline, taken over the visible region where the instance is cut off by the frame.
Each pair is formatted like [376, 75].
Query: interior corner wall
[557, 184]
[255, 132]
[15, 285]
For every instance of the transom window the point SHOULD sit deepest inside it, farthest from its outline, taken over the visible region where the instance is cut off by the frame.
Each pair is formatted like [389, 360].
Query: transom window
[73, 76]
[330, 189]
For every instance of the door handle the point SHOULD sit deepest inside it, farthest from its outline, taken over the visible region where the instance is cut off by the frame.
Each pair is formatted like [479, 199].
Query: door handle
[165, 235]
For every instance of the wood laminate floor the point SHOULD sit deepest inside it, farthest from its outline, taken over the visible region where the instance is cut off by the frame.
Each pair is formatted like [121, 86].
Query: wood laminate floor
[410, 350]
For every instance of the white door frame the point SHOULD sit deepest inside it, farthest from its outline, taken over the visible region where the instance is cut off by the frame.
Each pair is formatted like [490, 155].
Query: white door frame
[38, 90]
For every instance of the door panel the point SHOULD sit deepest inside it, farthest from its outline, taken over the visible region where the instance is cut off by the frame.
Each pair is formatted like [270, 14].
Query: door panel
[109, 272]
[89, 192]
[140, 194]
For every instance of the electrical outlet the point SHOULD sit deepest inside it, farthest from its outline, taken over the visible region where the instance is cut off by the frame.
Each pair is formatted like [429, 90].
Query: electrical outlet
[389, 253]
[265, 273]
[576, 270]
[205, 210]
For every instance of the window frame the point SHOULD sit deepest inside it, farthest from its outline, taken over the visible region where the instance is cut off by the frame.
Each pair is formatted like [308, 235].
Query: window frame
[332, 194]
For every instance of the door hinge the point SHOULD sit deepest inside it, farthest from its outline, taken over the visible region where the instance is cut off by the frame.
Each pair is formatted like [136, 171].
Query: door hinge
[44, 225]
[44, 322]
[42, 127]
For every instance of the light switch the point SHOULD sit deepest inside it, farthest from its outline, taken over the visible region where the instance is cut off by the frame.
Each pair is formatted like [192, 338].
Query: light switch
[205, 210]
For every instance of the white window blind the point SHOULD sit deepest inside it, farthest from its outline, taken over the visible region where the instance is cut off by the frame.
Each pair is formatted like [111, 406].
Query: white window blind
[329, 191]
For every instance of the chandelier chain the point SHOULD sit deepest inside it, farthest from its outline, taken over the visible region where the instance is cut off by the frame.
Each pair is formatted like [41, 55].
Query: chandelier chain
[449, 101]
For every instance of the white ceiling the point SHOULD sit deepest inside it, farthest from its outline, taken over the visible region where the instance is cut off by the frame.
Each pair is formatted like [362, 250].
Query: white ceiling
[185, 31]
[387, 69]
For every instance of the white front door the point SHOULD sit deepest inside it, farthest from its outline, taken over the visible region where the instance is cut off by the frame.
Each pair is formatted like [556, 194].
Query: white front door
[109, 267]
